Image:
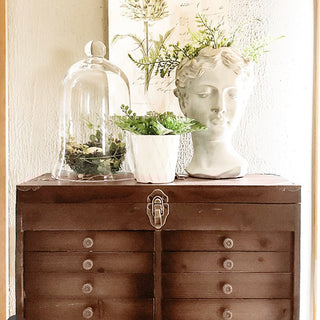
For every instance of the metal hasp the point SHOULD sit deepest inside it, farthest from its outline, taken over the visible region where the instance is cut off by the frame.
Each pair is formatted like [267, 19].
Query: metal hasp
[157, 208]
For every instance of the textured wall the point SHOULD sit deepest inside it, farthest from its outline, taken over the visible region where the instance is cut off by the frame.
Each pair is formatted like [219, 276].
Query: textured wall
[45, 38]
[275, 134]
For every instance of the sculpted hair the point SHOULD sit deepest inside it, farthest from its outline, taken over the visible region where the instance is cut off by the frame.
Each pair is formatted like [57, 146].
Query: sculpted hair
[208, 57]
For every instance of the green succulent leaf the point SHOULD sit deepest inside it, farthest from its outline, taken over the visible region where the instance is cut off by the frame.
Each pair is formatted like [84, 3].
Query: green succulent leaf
[154, 123]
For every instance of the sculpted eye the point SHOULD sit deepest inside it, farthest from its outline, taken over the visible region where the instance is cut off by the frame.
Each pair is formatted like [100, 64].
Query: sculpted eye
[206, 91]
[233, 94]
[203, 95]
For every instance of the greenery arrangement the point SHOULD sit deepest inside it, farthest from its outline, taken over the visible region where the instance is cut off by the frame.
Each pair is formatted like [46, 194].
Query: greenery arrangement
[147, 11]
[89, 158]
[207, 35]
[154, 123]
[160, 59]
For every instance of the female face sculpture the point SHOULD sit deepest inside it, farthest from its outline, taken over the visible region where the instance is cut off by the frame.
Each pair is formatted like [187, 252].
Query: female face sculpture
[213, 88]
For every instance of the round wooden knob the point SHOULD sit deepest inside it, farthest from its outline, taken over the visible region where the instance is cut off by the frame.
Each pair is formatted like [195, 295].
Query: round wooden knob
[87, 264]
[227, 288]
[87, 288]
[228, 264]
[227, 315]
[228, 243]
[87, 313]
[87, 243]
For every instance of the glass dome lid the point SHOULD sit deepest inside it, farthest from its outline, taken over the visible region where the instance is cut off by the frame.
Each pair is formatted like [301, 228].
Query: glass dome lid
[92, 147]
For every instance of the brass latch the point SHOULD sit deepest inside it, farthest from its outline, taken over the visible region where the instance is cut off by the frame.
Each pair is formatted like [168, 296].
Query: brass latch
[157, 208]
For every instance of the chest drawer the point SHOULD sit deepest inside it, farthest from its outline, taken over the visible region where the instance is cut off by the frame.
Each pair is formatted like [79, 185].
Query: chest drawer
[204, 309]
[227, 285]
[71, 285]
[226, 241]
[96, 262]
[223, 249]
[124, 309]
[85, 216]
[226, 261]
[79, 241]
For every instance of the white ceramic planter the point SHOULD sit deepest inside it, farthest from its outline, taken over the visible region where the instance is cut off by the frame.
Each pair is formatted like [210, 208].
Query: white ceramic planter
[154, 157]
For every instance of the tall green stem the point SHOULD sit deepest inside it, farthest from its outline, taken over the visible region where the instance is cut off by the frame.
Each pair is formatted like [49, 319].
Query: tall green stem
[147, 75]
[146, 29]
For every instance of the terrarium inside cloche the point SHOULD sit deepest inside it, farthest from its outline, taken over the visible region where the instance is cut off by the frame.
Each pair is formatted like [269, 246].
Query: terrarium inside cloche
[92, 147]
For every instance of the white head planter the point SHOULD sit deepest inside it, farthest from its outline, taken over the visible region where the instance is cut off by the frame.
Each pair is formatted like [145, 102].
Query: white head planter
[213, 88]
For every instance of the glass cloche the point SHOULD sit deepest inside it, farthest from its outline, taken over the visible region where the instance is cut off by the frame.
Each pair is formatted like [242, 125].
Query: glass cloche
[92, 147]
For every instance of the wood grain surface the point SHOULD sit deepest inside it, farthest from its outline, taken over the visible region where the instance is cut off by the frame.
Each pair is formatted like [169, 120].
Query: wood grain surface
[123, 216]
[174, 273]
[66, 309]
[102, 241]
[250, 189]
[103, 262]
[183, 262]
[210, 285]
[204, 309]
[213, 241]
[69, 285]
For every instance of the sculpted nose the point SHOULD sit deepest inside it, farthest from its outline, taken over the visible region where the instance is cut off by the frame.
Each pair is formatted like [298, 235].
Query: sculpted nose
[219, 105]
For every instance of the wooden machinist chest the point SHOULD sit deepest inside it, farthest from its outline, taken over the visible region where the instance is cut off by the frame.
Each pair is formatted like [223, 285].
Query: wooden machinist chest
[195, 249]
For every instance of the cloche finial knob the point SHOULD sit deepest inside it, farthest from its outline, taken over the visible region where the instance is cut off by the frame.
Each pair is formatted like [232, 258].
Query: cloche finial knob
[95, 49]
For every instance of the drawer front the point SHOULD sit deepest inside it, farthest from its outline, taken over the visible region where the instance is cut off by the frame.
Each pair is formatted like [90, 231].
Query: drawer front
[78, 241]
[220, 241]
[183, 216]
[227, 285]
[85, 216]
[71, 285]
[232, 216]
[220, 309]
[226, 261]
[127, 262]
[101, 309]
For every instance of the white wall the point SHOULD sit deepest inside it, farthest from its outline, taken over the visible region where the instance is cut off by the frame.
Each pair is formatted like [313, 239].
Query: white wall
[46, 36]
[276, 133]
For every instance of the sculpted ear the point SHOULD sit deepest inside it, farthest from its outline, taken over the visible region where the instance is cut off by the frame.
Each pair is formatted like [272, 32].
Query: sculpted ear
[180, 96]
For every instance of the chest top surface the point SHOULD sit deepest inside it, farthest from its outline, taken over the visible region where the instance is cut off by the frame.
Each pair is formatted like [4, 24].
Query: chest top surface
[249, 189]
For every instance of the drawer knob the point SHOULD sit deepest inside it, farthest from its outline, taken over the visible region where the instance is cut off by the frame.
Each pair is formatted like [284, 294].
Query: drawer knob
[227, 288]
[87, 243]
[228, 264]
[87, 288]
[227, 315]
[87, 264]
[87, 313]
[228, 243]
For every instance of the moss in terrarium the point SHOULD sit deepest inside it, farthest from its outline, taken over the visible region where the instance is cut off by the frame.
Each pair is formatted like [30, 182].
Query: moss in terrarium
[89, 159]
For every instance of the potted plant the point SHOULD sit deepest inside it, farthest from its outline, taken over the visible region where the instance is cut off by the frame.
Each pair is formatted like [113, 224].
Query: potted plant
[155, 142]
[213, 82]
[213, 77]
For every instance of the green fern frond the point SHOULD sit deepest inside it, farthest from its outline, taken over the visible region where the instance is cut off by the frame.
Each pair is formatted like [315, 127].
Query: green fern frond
[135, 38]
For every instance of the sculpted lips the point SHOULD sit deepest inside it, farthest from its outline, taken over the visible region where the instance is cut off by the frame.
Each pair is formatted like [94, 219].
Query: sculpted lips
[218, 120]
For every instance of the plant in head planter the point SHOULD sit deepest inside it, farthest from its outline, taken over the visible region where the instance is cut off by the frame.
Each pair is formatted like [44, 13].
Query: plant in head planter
[155, 142]
[213, 83]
